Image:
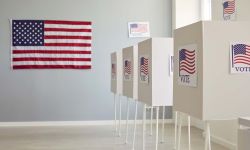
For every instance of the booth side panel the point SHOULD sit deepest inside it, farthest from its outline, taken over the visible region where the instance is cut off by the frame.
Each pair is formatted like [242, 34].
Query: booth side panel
[135, 72]
[241, 10]
[127, 83]
[188, 99]
[119, 72]
[114, 78]
[145, 89]
[162, 48]
[226, 96]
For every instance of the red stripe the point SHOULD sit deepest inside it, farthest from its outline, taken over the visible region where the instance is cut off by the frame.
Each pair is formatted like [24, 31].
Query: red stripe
[242, 62]
[52, 67]
[188, 71]
[67, 30]
[68, 44]
[50, 59]
[49, 52]
[188, 64]
[67, 37]
[67, 22]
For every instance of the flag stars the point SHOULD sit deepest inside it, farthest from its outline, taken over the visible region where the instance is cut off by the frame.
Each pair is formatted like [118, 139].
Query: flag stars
[27, 33]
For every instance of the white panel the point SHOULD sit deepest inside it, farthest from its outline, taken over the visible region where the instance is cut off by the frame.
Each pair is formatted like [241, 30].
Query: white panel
[219, 94]
[113, 75]
[128, 71]
[162, 81]
[159, 89]
[135, 72]
[119, 72]
[186, 12]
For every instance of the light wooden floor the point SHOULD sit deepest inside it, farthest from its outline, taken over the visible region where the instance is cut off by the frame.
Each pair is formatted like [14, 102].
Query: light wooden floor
[87, 138]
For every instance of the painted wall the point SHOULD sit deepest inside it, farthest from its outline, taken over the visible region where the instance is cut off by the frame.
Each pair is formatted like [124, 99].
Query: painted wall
[68, 95]
[185, 12]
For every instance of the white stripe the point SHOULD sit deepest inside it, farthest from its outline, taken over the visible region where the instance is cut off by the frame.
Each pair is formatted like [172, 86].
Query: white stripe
[68, 33]
[66, 41]
[50, 48]
[52, 55]
[18, 63]
[67, 26]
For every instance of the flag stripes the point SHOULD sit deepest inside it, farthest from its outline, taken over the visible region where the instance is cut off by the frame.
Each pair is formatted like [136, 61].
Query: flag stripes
[241, 54]
[229, 7]
[187, 61]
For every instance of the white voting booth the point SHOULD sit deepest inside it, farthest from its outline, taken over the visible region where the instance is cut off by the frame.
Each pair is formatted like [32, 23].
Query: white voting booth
[155, 76]
[130, 81]
[210, 83]
[116, 81]
[130, 73]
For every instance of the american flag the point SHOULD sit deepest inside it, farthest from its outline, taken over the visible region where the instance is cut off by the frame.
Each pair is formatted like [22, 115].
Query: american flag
[47, 44]
[144, 68]
[138, 28]
[229, 7]
[241, 54]
[127, 67]
[187, 61]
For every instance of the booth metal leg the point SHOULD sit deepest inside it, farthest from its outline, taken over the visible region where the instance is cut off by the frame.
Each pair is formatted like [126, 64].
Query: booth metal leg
[208, 136]
[151, 121]
[120, 115]
[179, 132]
[157, 124]
[144, 127]
[134, 135]
[126, 137]
[175, 129]
[115, 122]
[189, 133]
[163, 124]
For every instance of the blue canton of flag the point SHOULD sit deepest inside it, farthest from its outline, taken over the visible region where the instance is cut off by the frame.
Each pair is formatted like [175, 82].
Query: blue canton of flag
[28, 33]
[241, 54]
[239, 49]
[182, 54]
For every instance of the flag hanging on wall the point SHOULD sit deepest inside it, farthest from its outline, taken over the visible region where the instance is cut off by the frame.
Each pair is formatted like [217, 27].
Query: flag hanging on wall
[51, 44]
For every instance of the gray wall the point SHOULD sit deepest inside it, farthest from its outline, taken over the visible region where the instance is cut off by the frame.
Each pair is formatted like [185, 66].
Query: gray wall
[68, 95]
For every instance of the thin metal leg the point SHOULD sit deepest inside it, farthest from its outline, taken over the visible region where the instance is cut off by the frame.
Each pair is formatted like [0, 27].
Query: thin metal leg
[133, 144]
[189, 133]
[144, 127]
[120, 115]
[151, 121]
[115, 122]
[126, 138]
[208, 136]
[157, 124]
[179, 134]
[175, 129]
[163, 124]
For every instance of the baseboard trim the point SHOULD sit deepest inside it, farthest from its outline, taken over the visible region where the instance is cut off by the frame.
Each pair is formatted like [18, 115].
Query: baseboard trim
[218, 140]
[72, 123]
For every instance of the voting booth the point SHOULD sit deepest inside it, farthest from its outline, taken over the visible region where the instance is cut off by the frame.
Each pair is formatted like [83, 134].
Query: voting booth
[155, 77]
[211, 72]
[244, 134]
[232, 10]
[130, 72]
[116, 72]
